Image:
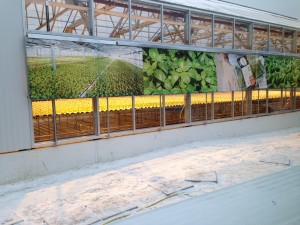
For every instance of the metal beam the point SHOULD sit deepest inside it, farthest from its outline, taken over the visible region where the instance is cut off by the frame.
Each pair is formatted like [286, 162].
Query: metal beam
[91, 18]
[212, 105]
[233, 34]
[269, 34]
[187, 32]
[67, 37]
[96, 116]
[162, 23]
[282, 41]
[213, 30]
[206, 108]
[47, 15]
[187, 108]
[107, 117]
[251, 36]
[130, 19]
[54, 121]
[52, 18]
[133, 113]
[232, 103]
[164, 110]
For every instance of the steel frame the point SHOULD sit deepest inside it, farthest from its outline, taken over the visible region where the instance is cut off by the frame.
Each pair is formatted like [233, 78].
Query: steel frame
[85, 22]
[169, 25]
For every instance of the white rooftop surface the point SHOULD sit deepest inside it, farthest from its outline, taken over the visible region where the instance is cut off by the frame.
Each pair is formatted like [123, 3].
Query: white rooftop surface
[270, 200]
[238, 11]
[101, 193]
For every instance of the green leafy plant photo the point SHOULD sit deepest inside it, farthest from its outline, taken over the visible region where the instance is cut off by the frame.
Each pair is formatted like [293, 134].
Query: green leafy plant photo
[282, 72]
[73, 76]
[176, 71]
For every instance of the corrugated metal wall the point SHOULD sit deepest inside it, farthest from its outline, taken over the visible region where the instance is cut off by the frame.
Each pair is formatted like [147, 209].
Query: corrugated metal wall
[15, 128]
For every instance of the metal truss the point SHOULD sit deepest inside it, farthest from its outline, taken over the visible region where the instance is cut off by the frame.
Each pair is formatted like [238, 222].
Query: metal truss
[153, 22]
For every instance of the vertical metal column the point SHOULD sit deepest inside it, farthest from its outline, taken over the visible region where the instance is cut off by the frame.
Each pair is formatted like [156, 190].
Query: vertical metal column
[294, 42]
[53, 100]
[24, 17]
[206, 108]
[242, 103]
[293, 90]
[160, 111]
[91, 18]
[267, 101]
[213, 30]
[212, 106]
[232, 103]
[281, 99]
[269, 38]
[96, 116]
[283, 42]
[233, 34]
[129, 17]
[187, 28]
[258, 102]
[54, 121]
[249, 101]
[47, 15]
[164, 109]
[162, 23]
[251, 31]
[187, 109]
[133, 113]
[107, 117]
[91, 30]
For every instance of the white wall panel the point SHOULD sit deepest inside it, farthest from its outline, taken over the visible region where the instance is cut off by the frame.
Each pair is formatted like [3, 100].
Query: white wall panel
[29, 164]
[15, 129]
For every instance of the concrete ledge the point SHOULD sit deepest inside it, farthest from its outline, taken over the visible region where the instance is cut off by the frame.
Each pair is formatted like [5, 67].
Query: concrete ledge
[34, 163]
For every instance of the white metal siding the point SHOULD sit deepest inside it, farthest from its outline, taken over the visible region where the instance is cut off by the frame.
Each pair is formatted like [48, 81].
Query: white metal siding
[15, 128]
[269, 200]
[239, 11]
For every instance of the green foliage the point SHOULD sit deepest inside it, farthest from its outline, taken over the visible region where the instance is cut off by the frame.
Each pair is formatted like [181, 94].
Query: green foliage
[73, 78]
[41, 78]
[120, 79]
[257, 66]
[73, 75]
[175, 71]
[282, 72]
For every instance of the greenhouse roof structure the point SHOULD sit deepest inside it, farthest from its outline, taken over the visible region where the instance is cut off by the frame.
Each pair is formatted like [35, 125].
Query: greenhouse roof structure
[198, 23]
[232, 9]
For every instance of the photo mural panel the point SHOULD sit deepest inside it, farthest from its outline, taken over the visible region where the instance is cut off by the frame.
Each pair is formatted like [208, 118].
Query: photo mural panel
[283, 72]
[69, 69]
[240, 72]
[65, 69]
[168, 71]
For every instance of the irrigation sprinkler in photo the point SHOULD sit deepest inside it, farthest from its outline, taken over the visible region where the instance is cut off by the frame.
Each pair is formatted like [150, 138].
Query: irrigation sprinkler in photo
[178, 72]
[65, 69]
[238, 72]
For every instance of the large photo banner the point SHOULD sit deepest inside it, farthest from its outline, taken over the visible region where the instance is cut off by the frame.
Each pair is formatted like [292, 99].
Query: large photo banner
[69, 69]
[282, 72]
[238, 72]
[175, 71]
[65, 69]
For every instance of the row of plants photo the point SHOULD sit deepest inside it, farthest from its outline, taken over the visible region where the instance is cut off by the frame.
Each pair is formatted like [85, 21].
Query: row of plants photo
[76, 77]
[162, 72]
